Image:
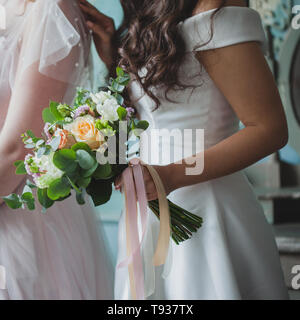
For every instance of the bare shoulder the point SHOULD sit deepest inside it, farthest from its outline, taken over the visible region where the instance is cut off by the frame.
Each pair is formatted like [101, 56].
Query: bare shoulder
[204, 5]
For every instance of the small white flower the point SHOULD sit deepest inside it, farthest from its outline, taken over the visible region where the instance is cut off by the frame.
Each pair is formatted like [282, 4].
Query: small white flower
[68, 119]
[108, 110]
[51, 172]
[101, 97]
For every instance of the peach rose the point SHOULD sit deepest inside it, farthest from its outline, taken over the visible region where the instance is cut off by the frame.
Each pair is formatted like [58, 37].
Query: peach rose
[67, 140]
[84, 130]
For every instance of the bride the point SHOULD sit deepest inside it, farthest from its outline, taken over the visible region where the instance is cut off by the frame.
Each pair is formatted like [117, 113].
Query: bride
[199, 64]
[44, 54]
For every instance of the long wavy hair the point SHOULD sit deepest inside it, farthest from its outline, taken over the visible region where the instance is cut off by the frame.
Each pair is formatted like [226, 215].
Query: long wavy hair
[149, 40]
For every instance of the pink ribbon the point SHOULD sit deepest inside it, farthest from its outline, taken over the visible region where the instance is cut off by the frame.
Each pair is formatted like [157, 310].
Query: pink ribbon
[134, 189]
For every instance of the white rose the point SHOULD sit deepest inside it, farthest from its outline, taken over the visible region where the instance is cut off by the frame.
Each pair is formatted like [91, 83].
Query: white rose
[101, 97]
[108, 110]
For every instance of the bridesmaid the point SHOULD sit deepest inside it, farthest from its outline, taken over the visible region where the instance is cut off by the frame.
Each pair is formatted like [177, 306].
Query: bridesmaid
[61, 254]
[203, 67]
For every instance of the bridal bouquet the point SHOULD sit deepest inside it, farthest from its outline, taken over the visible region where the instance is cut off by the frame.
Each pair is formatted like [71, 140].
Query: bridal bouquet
[74, 154]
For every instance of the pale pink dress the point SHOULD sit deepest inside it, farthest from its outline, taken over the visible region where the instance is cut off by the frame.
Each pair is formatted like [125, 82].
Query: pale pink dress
[60, 254]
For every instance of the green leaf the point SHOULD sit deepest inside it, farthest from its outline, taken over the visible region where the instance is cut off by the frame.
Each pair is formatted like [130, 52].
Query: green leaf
[117, 87]
[13, 201]
[30, 134]
[100, 191]
[83, 182]
[27, 189]
[103, 171]
[48, 116]
[64, 198]
[18, 162]
[53, 108]
[21, 169]
[80, 198]
[124, 80]
[122, 113]
[30, 184]
[81, 146]
[40, 142]
[55, 142]
[30, 204]
[120, 72]
[43, 198]
[27, 196]
[85, 160]
[89, 173]
[28, 199]
[48, 150]
[59, 188]
[143, 124]
[41, 151]
[29, 146]
[119, 98]
[65, 160]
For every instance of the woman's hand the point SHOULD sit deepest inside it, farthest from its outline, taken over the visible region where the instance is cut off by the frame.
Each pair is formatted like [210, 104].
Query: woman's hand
[151, 192]
[103, 29]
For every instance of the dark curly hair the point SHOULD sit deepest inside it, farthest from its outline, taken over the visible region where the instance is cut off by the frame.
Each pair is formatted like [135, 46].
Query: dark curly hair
[150, 40]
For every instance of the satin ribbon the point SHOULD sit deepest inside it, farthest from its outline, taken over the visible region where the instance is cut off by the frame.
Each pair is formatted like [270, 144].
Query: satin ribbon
[135, 192]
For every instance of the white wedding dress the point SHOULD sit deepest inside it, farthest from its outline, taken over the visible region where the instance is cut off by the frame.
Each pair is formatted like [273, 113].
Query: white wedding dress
[60, 254]
[234, 255]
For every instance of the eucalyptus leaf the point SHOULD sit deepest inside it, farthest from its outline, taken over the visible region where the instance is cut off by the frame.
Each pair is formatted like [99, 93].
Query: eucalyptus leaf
[41, 151]
[30, 204]
[43, 198]
[85, 160]
[100, 191]
[29, 146]
[13, 201]
[83, 182]
[119, 98]
[124, 80]
[30, 184]
[104, 171]
[142, 125]
[55, 142]
[59, 188]
[27, 189]
[65, 160]
[90, 172]
[117, 87]
[81, 146]
[40, 142]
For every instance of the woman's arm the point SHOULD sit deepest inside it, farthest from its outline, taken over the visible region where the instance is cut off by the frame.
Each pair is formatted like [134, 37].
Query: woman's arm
[31, 94]
[242, 74]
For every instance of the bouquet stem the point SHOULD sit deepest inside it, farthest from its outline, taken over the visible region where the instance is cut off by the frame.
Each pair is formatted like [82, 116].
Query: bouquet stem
[183, 223]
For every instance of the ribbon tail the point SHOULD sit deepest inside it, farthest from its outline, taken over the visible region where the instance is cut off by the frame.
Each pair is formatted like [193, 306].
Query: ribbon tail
[163, 243]
[136, 274]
